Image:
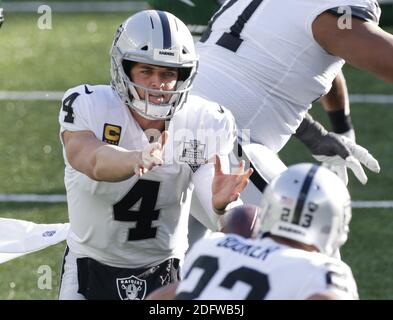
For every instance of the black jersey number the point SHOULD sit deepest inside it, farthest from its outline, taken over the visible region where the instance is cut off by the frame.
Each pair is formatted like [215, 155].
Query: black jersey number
[258, 281]
[232, 40]
[145, 192]
[67, 107]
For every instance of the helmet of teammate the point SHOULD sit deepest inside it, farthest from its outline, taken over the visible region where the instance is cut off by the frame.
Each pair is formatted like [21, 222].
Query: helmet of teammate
[156, 38]
[308, 204]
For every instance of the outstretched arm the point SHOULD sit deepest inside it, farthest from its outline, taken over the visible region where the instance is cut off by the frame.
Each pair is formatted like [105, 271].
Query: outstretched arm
[104, 162]
[336, 105]
[364, 45]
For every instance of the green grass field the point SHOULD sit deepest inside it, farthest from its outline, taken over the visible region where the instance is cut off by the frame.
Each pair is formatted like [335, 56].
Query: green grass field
[76, 51]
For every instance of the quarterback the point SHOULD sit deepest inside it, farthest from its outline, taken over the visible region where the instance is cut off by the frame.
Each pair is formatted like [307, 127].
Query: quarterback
[134, 153]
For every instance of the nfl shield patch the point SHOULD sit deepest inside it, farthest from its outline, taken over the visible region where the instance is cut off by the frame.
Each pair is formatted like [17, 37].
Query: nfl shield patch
[194, 154]
[131, 288]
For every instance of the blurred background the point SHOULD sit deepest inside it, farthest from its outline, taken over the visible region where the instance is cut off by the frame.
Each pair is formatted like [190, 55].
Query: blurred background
[37, 65]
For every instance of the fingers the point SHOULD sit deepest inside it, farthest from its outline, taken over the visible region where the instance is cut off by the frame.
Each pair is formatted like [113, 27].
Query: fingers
[341, 172]
[234, 197]
[152, 154]
[372, 164]
[249, 172]
[242, 180]
[366, 158]
[356, 168]
[242, 185]
[163, 139]
[363, 156]
[139, 171]
[217, 165]
[240, 168]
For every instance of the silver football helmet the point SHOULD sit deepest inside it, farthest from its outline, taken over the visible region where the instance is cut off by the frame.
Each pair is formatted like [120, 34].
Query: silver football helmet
[157, 38]
[308, 204]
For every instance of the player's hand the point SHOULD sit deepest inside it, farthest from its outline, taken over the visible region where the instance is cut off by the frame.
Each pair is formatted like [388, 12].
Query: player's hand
[341, 152]
[341, 171]
[151, 155]
[226, 188]
[350, 134]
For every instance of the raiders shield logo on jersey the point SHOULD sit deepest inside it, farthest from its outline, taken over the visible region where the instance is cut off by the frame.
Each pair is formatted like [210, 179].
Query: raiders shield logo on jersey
[193, 154]
[131, 288]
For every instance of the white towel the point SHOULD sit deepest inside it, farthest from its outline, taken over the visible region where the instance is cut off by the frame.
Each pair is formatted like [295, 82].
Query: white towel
[20, 237]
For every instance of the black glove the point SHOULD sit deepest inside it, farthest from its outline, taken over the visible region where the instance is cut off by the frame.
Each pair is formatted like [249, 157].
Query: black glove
[336, 151]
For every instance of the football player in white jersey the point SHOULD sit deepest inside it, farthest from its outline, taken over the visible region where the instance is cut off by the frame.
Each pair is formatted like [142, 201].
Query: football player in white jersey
[304, 218]
[267, 61]
[335, 102]
[134, 153]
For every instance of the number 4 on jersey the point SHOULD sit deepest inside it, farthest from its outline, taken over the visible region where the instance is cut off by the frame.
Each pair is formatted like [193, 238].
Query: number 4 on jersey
[144, 192]
[67, 107]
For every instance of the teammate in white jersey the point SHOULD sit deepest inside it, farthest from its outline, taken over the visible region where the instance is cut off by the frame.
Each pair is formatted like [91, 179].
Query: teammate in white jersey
[304, 218]
[134, 153]
[196, 14]
[267, 61]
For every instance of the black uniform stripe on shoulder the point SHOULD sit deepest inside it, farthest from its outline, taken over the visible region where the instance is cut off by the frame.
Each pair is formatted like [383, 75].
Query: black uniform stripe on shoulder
[356, 12]
[255, 178]
[166, 30]
[208, 30]
[303, 194]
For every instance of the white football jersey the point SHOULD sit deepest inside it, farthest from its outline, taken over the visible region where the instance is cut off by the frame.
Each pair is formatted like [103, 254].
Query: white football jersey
[230, 267]
[270, 74]
[142, 221]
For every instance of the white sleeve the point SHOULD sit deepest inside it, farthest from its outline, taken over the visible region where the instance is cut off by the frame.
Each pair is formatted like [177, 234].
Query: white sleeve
[367, 10]
[74, 113]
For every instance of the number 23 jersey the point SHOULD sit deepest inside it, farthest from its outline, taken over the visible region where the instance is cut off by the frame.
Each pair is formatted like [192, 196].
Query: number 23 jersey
[140, 221]
[230, 267]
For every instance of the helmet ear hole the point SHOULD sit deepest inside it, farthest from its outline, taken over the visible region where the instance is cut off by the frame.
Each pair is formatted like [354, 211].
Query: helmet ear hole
[184, 73]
